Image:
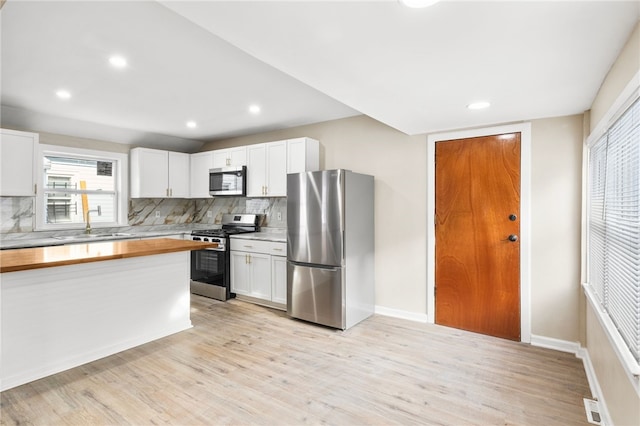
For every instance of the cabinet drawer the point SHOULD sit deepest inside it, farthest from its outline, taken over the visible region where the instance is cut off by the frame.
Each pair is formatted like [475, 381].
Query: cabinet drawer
[258, 246]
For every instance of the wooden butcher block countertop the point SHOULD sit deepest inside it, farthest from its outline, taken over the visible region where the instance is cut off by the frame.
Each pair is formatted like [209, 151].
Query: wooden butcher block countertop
[46, 257]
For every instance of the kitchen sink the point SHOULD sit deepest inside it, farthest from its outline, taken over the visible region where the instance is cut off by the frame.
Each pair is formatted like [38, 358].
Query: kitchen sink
[91, 236]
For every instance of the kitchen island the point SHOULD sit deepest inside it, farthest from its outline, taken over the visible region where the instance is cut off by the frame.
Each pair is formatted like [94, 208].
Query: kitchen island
[64, 306]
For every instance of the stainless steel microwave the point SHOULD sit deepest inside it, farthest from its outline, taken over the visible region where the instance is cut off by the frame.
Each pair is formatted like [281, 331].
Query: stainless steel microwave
[228, 181]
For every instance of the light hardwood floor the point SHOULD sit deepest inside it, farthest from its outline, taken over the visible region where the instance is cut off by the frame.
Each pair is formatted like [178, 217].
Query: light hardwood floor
[245, 364]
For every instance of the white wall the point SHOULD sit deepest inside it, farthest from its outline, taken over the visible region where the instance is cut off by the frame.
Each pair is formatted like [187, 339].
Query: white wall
[556, 190]
[75, 142]
[623, 69]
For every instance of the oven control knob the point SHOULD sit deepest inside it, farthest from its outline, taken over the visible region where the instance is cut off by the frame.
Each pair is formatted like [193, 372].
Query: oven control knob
[205, 239]
[196, 238]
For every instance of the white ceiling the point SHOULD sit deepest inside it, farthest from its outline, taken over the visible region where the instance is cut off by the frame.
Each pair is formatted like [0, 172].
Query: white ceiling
[302, 62]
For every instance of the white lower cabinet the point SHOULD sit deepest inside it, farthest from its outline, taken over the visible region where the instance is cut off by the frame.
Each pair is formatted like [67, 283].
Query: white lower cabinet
[259, 270]
[279, 279]
[250, 274]
[240, 274]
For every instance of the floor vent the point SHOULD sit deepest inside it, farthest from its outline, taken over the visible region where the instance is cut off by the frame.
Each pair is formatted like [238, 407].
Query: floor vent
[593, 411]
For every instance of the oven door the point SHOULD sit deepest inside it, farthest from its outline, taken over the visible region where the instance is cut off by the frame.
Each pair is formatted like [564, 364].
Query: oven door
[209, 274]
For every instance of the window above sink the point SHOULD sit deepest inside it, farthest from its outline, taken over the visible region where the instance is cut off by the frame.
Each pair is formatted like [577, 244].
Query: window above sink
[74, 182]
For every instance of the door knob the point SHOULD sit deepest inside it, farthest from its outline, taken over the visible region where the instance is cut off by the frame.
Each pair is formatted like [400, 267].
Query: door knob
[513, 217]
[513, 238]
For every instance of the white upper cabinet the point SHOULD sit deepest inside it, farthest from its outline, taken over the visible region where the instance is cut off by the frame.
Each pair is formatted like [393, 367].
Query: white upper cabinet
[159, 174]
[303, 155]
[179, 181]
[256, 170]
[149, 173]
[17, 157]
[230, 157]
[267, 169]
[200, 165]
[276, 184]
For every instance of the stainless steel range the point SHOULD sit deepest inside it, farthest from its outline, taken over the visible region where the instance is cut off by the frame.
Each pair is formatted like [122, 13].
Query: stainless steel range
[210, 267]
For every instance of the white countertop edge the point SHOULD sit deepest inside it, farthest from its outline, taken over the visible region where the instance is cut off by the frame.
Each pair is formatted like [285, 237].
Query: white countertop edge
[278, 235]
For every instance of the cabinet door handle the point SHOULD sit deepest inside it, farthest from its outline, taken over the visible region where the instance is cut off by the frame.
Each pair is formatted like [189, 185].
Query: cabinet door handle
[277, 249]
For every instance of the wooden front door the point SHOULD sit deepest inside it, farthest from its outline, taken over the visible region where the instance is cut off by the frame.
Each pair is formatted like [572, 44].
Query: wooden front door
[477, 267]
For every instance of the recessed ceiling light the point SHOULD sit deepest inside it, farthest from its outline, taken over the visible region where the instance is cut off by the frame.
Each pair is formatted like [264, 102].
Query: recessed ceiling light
[254, 109]
[192, 124]
[118, 61]
[418, 3]
[63, 94]
[479, 105]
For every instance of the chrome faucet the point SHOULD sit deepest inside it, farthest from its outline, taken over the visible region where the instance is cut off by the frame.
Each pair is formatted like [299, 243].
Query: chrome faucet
[99, 211]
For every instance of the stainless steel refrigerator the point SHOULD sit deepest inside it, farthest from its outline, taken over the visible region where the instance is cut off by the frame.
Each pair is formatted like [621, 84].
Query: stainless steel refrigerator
[330, 247]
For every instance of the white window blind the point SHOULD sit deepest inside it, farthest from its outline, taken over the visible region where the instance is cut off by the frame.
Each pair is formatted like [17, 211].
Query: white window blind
[614, 224]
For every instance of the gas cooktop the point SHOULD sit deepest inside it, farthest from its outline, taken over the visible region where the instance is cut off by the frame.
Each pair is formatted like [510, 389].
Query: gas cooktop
[232, 224]
[221, 233]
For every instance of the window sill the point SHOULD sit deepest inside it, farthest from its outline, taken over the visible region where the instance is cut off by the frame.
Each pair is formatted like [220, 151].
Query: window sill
[627, 360]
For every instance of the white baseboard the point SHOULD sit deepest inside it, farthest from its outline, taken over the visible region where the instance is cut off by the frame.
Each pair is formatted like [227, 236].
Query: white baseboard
[583, 354]
[556, 344]
[397, 313]
[594, 385]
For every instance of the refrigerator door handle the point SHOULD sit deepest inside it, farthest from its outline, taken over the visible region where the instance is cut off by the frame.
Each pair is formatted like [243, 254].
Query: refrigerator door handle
[312, 265]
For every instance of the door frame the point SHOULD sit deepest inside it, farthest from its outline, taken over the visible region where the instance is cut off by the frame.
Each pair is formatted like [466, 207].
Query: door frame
[525, 215]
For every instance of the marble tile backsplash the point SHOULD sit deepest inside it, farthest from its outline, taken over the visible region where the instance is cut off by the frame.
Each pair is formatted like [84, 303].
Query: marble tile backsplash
[160, 211]
[274, 209]
[18, 213]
